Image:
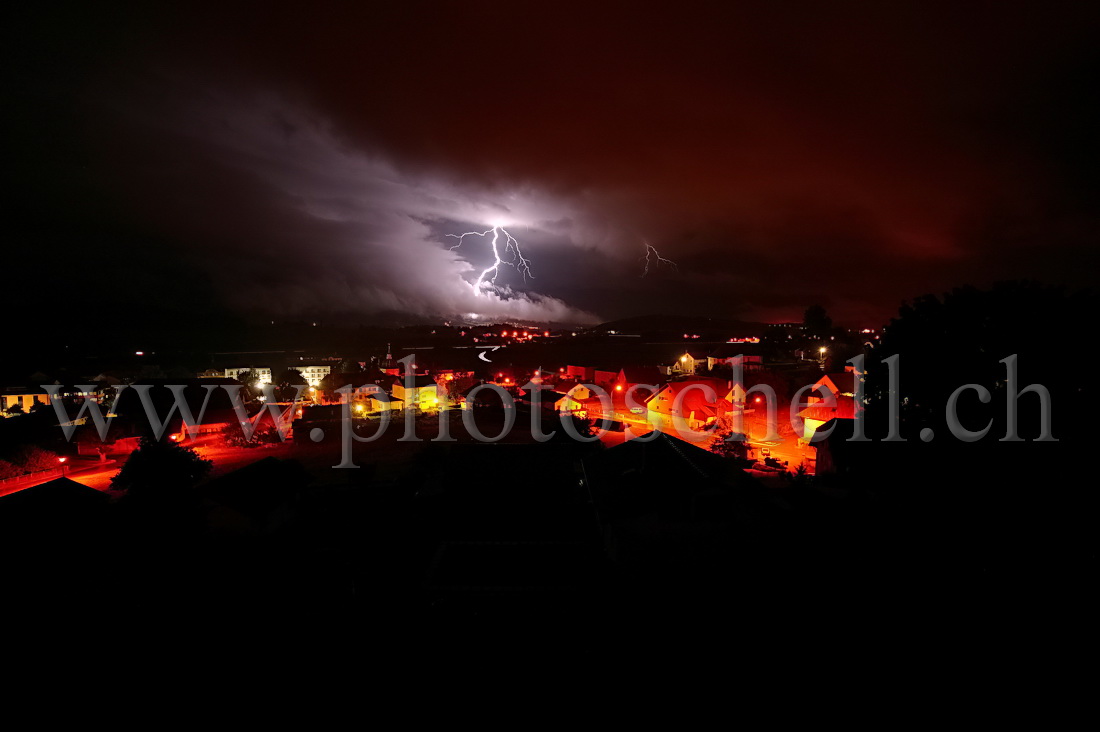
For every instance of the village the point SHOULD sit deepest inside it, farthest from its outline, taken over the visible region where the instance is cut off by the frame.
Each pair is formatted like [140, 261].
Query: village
[731, 395]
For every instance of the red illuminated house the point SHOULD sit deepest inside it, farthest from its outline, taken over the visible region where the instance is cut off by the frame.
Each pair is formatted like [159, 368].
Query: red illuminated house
[842, 385]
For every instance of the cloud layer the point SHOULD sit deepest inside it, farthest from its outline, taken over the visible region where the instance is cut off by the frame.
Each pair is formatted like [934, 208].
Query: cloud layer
[312, 161]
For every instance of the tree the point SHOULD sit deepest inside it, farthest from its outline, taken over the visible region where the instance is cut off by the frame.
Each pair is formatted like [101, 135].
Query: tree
[233, 436]
[736, 449]
[9, 470]
[252, 383]
[583, 426]
[161, 470]
[817, 322]
[349, 367]
[32, 458]
[286, 383]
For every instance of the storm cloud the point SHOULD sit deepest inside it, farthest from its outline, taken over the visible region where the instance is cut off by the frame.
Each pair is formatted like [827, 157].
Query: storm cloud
[316, 161]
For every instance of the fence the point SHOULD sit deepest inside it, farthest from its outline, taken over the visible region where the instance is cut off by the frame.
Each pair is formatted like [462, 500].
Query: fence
[37, 475]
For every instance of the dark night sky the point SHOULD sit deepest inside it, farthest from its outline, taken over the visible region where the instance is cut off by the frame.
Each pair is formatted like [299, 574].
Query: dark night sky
[304, 161]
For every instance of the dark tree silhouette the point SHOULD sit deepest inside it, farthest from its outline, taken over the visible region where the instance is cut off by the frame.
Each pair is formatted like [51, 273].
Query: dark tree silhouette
[817, 322]
[9, 470]
[995, 508]
[161, 471]
[285, 383]
[735, 449]
[32, 458]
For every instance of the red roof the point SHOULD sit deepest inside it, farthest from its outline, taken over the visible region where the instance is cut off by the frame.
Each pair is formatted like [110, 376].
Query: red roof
[845, 381]
[845, 409]
[695, 400]
[642, 375]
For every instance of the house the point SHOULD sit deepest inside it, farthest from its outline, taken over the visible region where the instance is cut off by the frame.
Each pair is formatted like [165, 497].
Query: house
[362, 385]
[578, 373]
[58, 515]
[841, 383]
[816, 413]
[314, 372]
[556, 401]
[423, 393]
[579, 392]
[263, 372]
[633, 375]
[23, 398]
[484, 397]
[565, 403]
[504, 376]
[256, 499]
[666, 503]
[602, 376]
[380, 401]
[687, 363]
[57, 536]
[694, 406]
[745, 355]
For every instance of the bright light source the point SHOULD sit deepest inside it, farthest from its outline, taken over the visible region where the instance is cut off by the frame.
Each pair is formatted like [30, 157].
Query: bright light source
[821, 350]
[61, 459]
[618, 387]
[139, 353]
[683, 359]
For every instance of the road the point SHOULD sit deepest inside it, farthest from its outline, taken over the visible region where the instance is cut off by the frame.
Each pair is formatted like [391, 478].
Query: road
[787, 450]
[98, 475]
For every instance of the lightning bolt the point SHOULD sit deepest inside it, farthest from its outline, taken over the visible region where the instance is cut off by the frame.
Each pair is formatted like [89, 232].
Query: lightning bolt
[511, 247]
[649, 250]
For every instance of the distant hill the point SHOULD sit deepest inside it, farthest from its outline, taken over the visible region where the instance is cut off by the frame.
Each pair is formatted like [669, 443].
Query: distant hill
[676, 326]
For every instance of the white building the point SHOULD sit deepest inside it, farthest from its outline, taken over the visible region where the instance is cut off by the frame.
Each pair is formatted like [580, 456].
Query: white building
[263, 373]
[314, 372]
